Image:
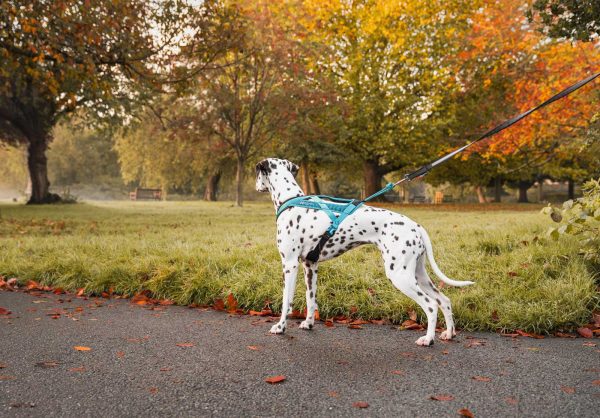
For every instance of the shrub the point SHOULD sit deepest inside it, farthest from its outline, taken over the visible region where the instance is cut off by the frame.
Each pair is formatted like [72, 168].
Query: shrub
[580, 217]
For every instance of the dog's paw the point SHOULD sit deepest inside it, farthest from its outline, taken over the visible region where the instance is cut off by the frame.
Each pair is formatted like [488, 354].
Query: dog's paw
[306, 325]
[424, 341]
[277, 329]
[447, 335]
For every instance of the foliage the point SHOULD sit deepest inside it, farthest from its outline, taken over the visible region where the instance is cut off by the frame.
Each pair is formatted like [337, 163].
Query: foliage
[572, 19]
[196, 252]
[580, 217]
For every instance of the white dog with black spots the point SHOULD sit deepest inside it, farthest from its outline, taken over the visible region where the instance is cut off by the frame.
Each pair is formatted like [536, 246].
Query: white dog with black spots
[402, 242]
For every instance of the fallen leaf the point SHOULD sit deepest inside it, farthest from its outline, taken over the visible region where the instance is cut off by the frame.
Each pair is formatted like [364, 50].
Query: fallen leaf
[120, 354]
[153, 390]
[81, 292]
[317, 316]
[32, 285]
[398, 372]
[596, 383]
[481, 378]
[4, 311]
[81, 348]
[5, 377]
[219, 305]
[252, 347]
[378, 321]
[77, 369]
[360, 404]
[329, 323]
[567, 389]
[511, 401]
[495, 318]
[256, 313]
[564, 335]
[466, 413]
[442, 397]
[333, 394]
[512, 335]
[512, 274]
[184, 344]
[589, 344]
[231, 303]
[354, 326]
[275, 379]
[585, 332]
[166, 369]
[47, 364]
[2, 366]
[59, 291]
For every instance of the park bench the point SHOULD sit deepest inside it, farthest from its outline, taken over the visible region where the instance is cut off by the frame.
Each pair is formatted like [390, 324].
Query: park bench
[148, 194]
[417, 199]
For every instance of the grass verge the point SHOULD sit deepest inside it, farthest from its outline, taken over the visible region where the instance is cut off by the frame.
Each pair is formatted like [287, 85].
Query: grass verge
[195, 252]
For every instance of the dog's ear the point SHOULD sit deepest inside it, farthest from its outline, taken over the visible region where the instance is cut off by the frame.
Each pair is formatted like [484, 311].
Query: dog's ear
[263, 167]
[292, 167]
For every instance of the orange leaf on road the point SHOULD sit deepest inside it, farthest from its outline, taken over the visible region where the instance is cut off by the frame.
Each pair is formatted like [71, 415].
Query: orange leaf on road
[82, 348]
[4, 311]
[253, 347]
[481, 378]
[275, 379]
[360, 404]
[466, 413]
[596, 383]
[185, 344]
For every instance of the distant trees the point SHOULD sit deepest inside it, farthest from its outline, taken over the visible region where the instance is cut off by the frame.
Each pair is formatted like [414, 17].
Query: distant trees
[102, 56]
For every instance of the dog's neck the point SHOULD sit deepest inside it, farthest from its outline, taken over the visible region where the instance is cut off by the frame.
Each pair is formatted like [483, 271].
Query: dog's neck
[283, 186]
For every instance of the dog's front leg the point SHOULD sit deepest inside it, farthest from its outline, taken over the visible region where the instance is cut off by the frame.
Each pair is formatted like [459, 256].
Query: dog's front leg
[310, 277]
[290, 271]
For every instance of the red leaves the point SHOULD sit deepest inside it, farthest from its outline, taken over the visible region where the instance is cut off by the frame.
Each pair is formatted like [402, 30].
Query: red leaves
[397, 372]
[232, 303]
[275, 379]
[360, 404]
[411, 325]
[185, 345]
[252, 347]
[481, 379]
[441, 398]
[4, 311]
[219, 305]
[585, 332]
[466, 413]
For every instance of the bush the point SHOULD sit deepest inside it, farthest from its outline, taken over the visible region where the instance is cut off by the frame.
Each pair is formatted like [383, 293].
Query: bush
[580, 217]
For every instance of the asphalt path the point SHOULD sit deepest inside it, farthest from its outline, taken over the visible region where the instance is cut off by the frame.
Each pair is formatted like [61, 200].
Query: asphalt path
[177, 361]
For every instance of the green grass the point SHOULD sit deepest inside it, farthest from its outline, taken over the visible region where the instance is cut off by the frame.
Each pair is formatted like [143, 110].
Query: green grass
[196, 252]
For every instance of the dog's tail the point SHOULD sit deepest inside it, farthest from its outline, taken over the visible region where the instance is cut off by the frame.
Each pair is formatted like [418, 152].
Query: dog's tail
[434, 266]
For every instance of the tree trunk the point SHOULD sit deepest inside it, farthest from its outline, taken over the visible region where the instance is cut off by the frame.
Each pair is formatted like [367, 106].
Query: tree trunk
[498, 189]
[523, 187]
[37, 164]
[305, 176]
[314, 184]
[212, 185]
[239, 182]
[480, 194]
[540, 190]
[571, 188]
[372, 177]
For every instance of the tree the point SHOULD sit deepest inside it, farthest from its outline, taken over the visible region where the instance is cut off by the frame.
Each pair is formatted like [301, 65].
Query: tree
[104, 57]
[393, 67]
[571, 19]
[241, 101]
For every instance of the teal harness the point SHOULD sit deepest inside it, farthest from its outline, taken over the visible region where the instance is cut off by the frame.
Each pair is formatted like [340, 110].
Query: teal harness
[336, 208]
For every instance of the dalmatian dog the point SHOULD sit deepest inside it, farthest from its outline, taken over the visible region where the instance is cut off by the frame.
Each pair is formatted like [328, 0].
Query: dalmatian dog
[403, 243]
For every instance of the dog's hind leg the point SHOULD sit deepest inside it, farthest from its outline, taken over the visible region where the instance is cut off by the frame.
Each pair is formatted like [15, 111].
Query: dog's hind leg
[290, 271]
[404, 279]
[310, 277]
[442, 300]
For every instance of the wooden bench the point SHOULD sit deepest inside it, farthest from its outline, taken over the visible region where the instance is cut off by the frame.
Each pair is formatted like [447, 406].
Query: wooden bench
[147, 194]
[417, 199]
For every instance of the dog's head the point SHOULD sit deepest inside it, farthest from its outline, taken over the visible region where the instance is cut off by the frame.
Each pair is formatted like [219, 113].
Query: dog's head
[269, 169]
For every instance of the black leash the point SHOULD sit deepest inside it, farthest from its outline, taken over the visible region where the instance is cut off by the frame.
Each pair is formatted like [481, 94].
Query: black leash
[427, 168]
